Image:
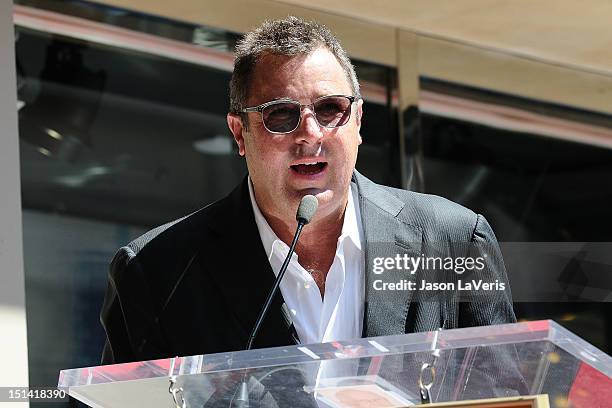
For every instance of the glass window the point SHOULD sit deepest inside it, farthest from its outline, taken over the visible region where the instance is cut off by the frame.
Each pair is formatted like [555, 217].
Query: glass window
[114, 141]
[538, 172]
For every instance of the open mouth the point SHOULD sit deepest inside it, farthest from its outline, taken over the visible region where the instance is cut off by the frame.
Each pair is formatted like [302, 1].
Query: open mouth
[310, 168]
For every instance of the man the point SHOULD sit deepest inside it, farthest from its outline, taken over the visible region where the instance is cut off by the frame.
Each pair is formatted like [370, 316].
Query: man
[196, 285]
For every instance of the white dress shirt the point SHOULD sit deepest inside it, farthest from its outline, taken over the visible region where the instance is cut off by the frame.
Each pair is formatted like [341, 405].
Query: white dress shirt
[339, 315]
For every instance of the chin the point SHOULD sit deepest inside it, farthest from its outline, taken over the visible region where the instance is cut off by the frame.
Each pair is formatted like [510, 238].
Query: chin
[327, 198]
[329, 201]
[323, 195]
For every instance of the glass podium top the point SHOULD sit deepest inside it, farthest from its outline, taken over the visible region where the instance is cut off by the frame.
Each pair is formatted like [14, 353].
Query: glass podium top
[529, 358]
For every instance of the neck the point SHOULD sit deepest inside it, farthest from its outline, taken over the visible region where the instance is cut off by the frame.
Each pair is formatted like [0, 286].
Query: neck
[317, 246]
[318, 242]
[319, 232]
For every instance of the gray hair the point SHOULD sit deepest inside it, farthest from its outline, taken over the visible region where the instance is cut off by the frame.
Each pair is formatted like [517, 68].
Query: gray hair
[290, 36]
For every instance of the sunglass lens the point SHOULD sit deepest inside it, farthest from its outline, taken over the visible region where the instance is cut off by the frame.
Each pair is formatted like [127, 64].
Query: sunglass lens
[333, 111]
[281, 117]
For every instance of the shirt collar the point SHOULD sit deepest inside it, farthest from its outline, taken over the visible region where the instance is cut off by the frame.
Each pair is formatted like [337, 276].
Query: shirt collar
[351, 227]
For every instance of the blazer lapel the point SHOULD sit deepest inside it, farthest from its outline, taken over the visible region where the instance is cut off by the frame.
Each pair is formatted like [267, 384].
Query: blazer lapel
[249, 279]
[386, 236]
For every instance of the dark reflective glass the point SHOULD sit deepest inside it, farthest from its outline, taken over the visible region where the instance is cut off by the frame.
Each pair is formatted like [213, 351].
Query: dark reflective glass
[281, 117]
[531, 188]
[332, 111]
[108, 151]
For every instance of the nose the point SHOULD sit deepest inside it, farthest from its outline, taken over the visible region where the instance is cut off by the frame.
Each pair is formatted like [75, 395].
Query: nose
[309, 131]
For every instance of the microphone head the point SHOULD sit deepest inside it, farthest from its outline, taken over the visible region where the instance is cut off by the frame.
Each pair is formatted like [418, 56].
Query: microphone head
[308, 206]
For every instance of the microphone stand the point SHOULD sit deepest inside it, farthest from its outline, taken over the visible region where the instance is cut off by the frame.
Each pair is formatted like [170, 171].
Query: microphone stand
[242, 399]
[281, 273]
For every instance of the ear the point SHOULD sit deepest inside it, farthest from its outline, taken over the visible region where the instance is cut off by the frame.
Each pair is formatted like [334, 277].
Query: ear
[359, 116]
[234, 122]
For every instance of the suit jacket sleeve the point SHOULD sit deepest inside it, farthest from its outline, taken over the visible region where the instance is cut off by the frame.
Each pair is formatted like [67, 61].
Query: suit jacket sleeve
[496, 366]
[487, 307]
[128, 315]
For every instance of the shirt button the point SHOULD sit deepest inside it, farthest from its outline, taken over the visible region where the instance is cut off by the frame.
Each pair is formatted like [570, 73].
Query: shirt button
[307, 285]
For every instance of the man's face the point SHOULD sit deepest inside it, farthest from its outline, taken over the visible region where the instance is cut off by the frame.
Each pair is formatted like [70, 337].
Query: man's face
[276, 161]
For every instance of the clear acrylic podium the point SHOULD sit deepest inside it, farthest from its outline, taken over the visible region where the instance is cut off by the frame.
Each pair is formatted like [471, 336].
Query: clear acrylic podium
[528, 358]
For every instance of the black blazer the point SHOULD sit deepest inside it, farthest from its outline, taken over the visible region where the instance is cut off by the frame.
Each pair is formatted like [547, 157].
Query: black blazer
[196, 285]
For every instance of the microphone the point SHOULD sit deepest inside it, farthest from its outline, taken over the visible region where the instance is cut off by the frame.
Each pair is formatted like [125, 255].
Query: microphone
[306, 209]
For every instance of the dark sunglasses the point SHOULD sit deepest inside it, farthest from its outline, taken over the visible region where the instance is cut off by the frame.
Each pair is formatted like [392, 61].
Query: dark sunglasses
[284, 116]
